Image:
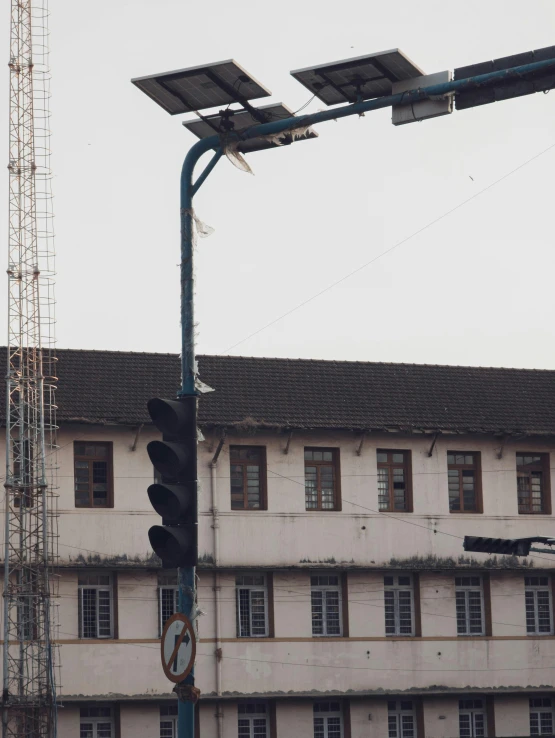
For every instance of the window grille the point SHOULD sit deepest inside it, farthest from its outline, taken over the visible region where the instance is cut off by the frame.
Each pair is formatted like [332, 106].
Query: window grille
[169, 604]
[248, 477]
[96, 722]
[325, 592]
[532, 474]
[472, 718]
[462, 480]
[252, 720]
[93, 474]
[469, 604]
[541, 716]
[321, 479]
[252, 606]
[399, 605]
[401, 719]
[168, 721]
[539, 618]
[95, 606]
[393, 481]
[328, 720]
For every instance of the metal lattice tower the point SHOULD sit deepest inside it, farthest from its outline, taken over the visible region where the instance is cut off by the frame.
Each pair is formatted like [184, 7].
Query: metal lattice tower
[29, 683]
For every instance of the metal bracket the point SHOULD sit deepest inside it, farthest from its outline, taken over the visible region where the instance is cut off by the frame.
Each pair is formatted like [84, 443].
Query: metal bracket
[187, 693]
[133, 446]
[502, 447]
[286, 449]
[219, 447]
[361, 443]
[431, 451]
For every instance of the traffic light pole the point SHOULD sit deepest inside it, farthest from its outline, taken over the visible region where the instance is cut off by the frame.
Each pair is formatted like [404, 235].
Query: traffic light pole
[189, 188]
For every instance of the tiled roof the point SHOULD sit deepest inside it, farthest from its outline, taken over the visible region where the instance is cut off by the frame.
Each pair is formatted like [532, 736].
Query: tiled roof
[113, 387]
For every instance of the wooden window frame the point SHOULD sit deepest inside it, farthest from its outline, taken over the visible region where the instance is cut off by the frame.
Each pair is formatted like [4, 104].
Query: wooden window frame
[268, 714]
[549, 587]
[110, 475]
[407, 466]
[477, 468]
[263, 478]
[414, 589]
[539, 709]
[544, 467]
[336, 466]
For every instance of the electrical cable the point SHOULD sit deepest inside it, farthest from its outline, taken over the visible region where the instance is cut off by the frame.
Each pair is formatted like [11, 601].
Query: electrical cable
[387, 251]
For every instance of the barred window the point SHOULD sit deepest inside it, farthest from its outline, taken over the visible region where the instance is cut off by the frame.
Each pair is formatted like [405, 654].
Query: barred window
[532, 471]
[328, 720]
[248, 477]
[93, 474]
[321, 478]
[472, 718]
[469, 603]
[252, 606]
[463, 481]
[401, 719]
[168, 598]
[95, 606]
[393, 481]
[539, 617]
[325, 593]
[96, 722]
[252, 720]
[541, 716]
[399, 605]
[168, 721]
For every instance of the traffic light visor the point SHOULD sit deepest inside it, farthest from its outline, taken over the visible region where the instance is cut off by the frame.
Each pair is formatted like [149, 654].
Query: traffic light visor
[172, 502]
[176, 546]
[170, 459]
[172, 417]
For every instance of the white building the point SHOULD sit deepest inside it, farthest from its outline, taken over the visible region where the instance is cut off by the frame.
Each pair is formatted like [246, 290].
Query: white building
[338, 600]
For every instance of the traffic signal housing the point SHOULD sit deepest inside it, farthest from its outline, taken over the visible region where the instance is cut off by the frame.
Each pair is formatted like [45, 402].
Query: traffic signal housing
[539, 81]
[507, 546]
[174, 494]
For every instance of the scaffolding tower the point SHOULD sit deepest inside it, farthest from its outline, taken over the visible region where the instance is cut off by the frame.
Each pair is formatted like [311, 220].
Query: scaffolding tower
[30, 582]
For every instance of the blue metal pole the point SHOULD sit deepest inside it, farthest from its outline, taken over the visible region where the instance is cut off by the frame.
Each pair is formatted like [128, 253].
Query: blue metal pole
[188, 190]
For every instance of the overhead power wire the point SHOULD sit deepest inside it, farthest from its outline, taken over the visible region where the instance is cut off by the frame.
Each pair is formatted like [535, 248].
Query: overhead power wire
[389, 250]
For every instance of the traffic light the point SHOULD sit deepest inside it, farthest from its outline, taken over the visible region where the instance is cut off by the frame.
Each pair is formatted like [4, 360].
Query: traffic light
[174, 495]
[508, 546]
[538, 81]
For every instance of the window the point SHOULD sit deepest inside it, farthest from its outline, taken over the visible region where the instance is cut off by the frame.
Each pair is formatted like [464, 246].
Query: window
[95, 606]
[93, 474]
[321, 478]
[252, 720]
[248, 477]
[401, 719]
[537, 594]
[394, 481]
[463, 479]
[252, 606]
[168, 597]
[325, 596]
[472, 718]
[532, 476]
[96, 722]
[328, 722]
[168, 721]
[541, 716]
[469, 604]
[399, 599]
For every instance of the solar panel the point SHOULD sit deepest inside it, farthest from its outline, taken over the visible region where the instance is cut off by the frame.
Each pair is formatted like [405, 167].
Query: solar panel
[243, 119]
[198, 88]
[361, 78]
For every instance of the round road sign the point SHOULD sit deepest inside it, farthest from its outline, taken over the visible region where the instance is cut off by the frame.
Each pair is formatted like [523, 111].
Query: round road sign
[178, 647]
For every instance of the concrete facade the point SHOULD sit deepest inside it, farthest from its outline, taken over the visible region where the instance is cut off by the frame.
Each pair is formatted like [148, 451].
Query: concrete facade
[289, 670]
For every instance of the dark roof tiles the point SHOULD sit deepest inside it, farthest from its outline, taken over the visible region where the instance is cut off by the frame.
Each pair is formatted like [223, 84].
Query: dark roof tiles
[113, 387]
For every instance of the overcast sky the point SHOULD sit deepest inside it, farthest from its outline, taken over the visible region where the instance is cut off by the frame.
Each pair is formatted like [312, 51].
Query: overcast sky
[474, 288]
